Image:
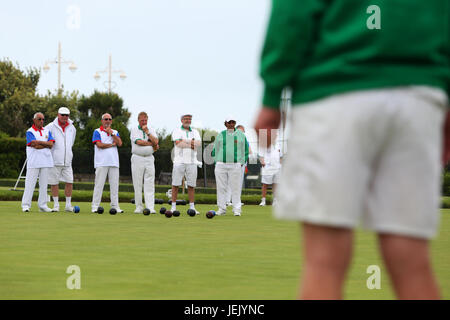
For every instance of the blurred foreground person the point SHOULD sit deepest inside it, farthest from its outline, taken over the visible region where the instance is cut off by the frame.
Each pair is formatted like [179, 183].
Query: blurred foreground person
[369, 107]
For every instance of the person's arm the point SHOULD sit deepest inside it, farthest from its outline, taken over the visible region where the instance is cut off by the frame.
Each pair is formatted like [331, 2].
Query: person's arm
[152, 139]
[37, 144]
[184, 143]
[198, 140]
[289, 36]
[246, 150]
[446, 140]
[41, 144]
[102, 145]
[97, 140]
[261, 159]
[117, 140]
[179, 141]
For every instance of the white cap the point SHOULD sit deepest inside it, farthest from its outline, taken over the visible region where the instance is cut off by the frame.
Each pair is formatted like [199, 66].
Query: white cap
[185, 114]
[229, 118]
[63, 110]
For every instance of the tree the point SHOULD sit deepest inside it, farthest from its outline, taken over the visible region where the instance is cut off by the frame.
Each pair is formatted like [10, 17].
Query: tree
[95, 105]
[52, 102]
[90, 111]
[18, 98]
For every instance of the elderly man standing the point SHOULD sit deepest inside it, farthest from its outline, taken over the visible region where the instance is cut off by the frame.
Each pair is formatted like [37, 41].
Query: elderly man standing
[39, 161]
[230, 154]
[64, 132]
[144, 142]
[186, 141]
[106, 162]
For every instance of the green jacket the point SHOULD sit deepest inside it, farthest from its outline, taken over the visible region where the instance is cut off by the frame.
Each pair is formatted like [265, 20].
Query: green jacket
[230, 147]
[323, 47]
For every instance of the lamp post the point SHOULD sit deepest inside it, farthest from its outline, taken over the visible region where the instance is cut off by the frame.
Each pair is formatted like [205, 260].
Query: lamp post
[110, 71]
[59, 61]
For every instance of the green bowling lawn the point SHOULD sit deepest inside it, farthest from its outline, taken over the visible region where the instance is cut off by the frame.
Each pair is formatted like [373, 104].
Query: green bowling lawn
[132, 256]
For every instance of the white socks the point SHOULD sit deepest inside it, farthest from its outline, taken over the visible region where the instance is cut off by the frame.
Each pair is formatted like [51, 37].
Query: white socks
[56, 202]
[68, 202]
[191, 205]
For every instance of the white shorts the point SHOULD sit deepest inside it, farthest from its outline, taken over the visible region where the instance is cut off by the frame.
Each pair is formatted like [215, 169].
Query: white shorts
[271, 178]
[181, 170]
[60, 174]
[369, 157]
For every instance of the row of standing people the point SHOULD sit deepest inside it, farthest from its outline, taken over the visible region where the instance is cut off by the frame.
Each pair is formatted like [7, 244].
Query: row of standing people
[49, 158]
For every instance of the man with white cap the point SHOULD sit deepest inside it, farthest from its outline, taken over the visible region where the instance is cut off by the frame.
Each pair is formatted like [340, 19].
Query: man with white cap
[64, 132]
[186, 141]
[39, 161]
[106, 162]
[144, 142]
[230, 154]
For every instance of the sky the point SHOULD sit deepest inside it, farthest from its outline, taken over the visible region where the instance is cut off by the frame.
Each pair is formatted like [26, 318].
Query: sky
[195, 56]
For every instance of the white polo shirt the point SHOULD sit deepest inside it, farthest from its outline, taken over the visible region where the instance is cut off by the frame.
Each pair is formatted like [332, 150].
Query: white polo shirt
[271, 157]
[39, 158]
[108, 157]
[185, 155]
[138, 134]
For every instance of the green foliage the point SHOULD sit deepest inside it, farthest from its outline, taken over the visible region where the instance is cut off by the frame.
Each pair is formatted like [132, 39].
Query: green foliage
[52, 102]
[165, 139]
[12, 156]
[90, 110]
[18, 98]
[95, 105]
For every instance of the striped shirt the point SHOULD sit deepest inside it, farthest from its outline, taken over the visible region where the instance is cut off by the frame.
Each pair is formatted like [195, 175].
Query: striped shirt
[230, 147]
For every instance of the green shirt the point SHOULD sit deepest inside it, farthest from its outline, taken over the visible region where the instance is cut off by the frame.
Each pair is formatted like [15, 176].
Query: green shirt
[230, 147]
[323, 47]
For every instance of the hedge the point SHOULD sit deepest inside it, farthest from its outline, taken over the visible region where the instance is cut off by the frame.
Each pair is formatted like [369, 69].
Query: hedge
[12, 156]
[128, 187]
[86, 196]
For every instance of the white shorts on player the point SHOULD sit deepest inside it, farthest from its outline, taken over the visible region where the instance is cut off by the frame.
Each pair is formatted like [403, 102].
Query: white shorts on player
[187, 170]
[59, 174]
[369, 157]
[270, 179]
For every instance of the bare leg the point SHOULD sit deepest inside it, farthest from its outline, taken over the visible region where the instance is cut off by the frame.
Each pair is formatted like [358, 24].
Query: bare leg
[327, 254]
[191, 194]
[68, 189]
[55, 190]
[408, 262]
[174, 194]
[264, 190]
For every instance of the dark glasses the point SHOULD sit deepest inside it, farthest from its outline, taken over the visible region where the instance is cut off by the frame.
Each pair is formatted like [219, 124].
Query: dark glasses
[107, 119]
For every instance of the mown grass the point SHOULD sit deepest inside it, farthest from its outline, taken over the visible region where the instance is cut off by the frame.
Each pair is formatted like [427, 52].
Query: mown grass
[132, 256]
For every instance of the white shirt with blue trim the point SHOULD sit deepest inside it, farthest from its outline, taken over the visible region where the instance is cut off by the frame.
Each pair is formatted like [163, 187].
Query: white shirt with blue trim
[38, 158]
[108, 157]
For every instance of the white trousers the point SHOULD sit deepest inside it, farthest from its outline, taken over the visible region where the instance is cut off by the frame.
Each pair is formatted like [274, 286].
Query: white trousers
[240, 185]
[30, 183]
[100, 179]
[143, 173]
[228, 174]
